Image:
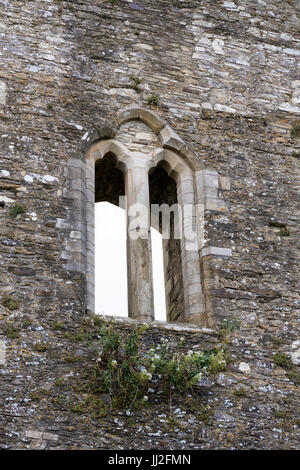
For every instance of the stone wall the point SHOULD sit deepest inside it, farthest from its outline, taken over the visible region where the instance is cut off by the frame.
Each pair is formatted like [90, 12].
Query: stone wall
[225, 75]
[46, 404]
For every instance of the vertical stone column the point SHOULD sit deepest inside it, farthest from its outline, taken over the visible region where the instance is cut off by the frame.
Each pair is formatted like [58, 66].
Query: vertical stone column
[210, 187]
[193, 301]
[139, 254]
[90, 235]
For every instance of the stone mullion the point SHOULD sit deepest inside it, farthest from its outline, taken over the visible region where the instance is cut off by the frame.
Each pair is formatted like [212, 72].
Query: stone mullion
[90, 235]
[139, 253]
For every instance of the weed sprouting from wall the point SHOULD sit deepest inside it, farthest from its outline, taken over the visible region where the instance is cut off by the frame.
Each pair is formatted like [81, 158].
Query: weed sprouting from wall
[153, 100]
[10, 302]
[282, 360]
[17, 209]
[295, 131]
[126, 374]
[296, 155]
[284, 232]
[135, 82]
[12, 332]
[227, 327]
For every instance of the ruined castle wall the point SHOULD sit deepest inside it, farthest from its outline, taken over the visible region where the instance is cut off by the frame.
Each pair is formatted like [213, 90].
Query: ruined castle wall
[227, 83]
[225, 75]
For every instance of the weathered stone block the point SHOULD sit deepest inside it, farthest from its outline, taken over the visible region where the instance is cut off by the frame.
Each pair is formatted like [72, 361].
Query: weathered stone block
[225, 183]
[170, 139]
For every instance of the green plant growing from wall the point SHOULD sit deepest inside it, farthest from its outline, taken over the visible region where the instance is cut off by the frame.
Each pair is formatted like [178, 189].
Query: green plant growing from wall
[203, 412]
[295, 131]
[125, 374]
[153, 100]
[135, 82]
[296, 155]
[12, 332]
[276, 341]
[10, 302]
[284, 232]
[59, 382]
[240, 392]
[59, 326]
[227, 327]
[17, 209]
[294, 375]
[282, 360]
[40, 346]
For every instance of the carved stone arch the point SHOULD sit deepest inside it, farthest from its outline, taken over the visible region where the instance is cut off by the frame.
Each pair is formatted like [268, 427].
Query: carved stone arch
[173, 162]
[133, 112]
[181, 172]
[94, 135]
[169, 139]
[138, 164]
[100, 149]
[201, 189]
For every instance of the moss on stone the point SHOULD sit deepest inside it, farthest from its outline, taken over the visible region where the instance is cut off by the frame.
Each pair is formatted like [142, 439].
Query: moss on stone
[295, 131]
[282, 360]
[284, 232]
[135, 82]
[40, 347]
[12, 332]
[239, 392]
[294, 375]
[296, 155]
[59, 326]
[71, 358]
[10, 302]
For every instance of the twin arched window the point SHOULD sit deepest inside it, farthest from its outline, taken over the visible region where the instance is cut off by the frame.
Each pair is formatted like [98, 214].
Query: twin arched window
[141, 169]
[150, 167]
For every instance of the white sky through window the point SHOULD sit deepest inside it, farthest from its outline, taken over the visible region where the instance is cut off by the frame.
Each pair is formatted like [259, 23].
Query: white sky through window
[111, 264]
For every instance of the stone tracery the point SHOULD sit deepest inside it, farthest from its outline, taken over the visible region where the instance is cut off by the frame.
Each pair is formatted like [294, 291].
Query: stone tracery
[135, 166]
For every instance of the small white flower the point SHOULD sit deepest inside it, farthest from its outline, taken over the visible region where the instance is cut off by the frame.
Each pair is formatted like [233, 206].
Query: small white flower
[164, 340]
[145, 398]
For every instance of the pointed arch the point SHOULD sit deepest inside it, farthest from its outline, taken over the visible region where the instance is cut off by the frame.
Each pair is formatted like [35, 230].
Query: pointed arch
[173, 155]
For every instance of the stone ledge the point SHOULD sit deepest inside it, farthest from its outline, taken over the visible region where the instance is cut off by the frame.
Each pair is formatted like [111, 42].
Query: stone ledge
[181, 327]
[215, 251]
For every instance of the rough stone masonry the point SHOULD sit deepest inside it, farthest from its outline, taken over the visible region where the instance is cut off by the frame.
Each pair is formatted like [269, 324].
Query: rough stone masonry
[224, 75]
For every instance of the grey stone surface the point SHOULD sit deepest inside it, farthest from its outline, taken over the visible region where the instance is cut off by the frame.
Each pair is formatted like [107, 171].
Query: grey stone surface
[227, 85]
